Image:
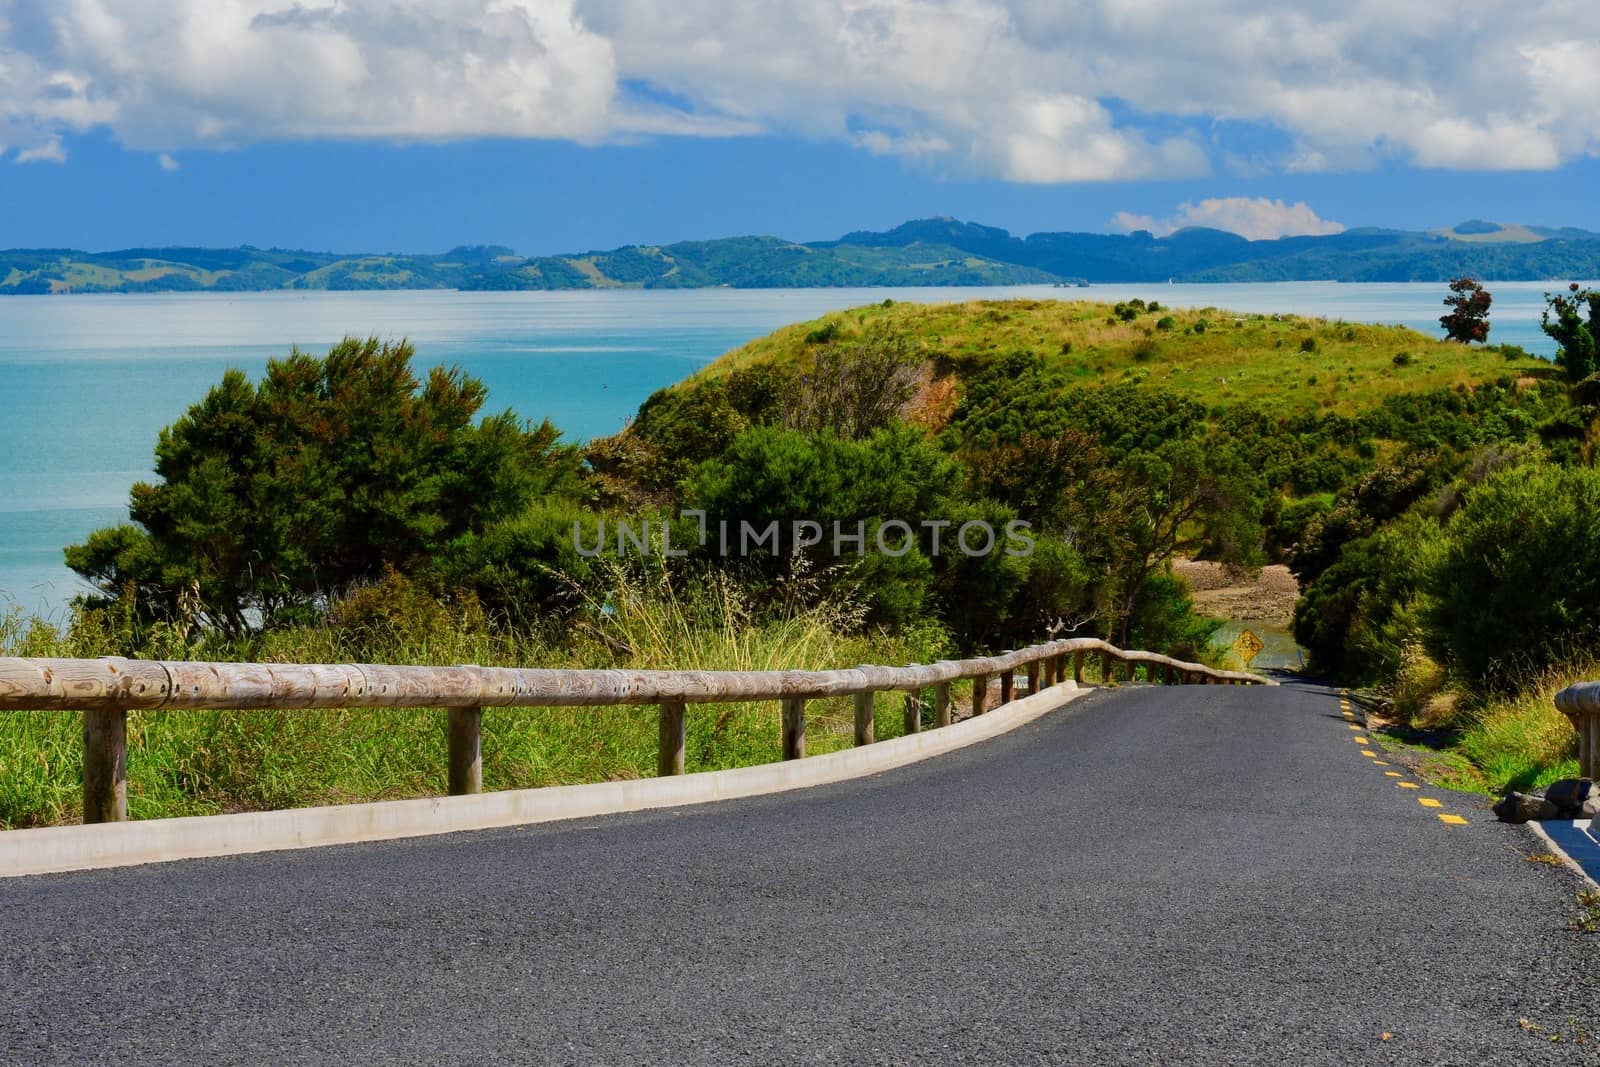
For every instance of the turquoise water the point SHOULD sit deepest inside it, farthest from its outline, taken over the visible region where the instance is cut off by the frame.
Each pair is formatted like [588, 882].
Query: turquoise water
[87, 382]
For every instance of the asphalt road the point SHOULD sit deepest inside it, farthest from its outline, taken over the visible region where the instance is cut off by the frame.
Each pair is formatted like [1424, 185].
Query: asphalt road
[1195, 875]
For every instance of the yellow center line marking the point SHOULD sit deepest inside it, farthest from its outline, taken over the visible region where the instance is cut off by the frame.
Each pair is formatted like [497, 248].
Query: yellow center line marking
[1452, 820]
[1393, 774]
[1429, 802]
[1380, 763]
[1354, 727]
[1408, 785]
[1368, 752]
[1362, 740]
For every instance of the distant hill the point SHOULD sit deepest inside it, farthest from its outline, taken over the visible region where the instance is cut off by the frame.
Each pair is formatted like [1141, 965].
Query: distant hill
[940, 251]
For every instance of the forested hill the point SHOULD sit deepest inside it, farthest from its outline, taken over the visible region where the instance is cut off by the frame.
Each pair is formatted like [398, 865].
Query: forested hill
[925, 252]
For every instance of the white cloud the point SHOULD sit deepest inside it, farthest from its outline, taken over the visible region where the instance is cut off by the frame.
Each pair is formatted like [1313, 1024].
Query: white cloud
[214, 73]
[1257, 218]
[167, 163]
[48, 151]
[1021, 89]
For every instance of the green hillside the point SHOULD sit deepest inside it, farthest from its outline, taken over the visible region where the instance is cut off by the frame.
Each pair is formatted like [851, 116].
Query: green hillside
[1281, 364]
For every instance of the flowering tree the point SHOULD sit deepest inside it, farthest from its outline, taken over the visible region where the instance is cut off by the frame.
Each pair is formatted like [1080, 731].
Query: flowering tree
[1468, 319]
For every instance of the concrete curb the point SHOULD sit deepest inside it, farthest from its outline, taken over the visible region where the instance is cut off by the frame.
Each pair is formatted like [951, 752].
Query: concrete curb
[1576, 844]
[54, 849]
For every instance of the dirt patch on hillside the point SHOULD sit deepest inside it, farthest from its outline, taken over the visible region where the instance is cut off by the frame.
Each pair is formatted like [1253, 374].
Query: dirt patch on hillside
[1225, 594]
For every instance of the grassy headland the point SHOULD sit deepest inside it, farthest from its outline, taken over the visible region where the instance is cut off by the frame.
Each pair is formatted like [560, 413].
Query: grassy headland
[1277, 364]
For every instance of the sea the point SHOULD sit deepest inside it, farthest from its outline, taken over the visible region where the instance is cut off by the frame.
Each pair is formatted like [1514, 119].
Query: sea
[88, 381]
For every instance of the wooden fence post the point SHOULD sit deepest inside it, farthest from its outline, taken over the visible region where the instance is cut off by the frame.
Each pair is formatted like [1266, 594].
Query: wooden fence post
[105, 766]
[1034, 674]
[1008, 685]
[1133, 671]
[794, 727]
[914, 712]
[466, 751]
[1077, 667]
[673, 738]
[1166, 677]
[980, 693]
[941, 704]
[1105, 668]
[865, 732]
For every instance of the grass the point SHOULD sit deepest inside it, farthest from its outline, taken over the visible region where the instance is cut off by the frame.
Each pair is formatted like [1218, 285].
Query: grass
[1496, 744]
[205, 762]
[1281, 364]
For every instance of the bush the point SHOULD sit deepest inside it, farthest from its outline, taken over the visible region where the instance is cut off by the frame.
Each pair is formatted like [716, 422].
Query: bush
[1402, 359]
[1308, 344]
[1573, 322]
[772, 474]
[1359, 614]
[1165, 621]
[276, 496]
[1166, 322]
[1517, 587]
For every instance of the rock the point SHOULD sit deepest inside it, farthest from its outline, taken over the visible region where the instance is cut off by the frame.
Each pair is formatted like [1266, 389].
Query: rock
[1523, 807]
[1590, 808]
[1569, 796]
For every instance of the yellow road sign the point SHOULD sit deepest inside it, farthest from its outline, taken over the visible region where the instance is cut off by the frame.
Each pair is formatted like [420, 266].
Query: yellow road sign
[1247, 646]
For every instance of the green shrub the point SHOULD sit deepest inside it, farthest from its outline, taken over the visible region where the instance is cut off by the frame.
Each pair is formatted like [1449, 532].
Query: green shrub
[1308, 344]
[1402, 359]
[1166, 322]
[273, 496]
[1165, 620]
[1517, 587]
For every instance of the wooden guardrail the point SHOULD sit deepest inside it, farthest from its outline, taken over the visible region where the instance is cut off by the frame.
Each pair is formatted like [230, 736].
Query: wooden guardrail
[1581, 704]
[105, 690]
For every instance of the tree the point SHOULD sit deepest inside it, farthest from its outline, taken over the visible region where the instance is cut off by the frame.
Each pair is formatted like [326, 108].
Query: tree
[1564, 321]
[276, 497]
[1468, 319]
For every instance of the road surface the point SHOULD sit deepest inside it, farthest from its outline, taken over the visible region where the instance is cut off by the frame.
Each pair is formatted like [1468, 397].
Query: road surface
[1191, 875]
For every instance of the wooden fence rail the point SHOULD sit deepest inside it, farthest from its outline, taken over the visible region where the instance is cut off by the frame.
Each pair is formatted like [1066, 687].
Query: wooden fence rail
[105, 690]
[1581, 704]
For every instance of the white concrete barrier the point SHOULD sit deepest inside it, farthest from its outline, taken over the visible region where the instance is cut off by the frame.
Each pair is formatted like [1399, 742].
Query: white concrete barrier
[120, 844]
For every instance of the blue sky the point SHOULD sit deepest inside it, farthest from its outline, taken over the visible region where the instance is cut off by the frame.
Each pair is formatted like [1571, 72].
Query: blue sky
[562, 125]
[544, 197]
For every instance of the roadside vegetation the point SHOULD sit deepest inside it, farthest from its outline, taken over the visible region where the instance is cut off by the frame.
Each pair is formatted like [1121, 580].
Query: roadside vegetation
[346, 508]
[203, 762]
[1463, 584]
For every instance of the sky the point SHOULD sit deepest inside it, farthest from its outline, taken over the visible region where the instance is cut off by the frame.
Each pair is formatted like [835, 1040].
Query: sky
[566, 125]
